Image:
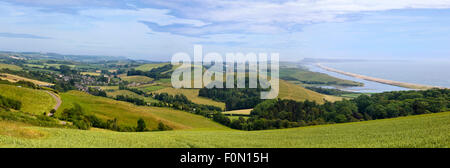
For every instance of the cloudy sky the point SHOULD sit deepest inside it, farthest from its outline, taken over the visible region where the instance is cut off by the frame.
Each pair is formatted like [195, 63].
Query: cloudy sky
[156, 29]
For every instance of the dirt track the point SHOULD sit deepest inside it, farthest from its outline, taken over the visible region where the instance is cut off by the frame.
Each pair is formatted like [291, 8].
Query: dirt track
[58, 100]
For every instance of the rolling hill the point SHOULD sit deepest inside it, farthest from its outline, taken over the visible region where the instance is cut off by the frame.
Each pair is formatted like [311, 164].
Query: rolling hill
[127, 114]
[33, 101]
[429, 130]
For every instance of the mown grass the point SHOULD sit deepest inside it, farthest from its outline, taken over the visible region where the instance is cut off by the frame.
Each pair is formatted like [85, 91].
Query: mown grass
[127, 114]
[33, 101]
[239, 112]
[430, 130]
[11, 67]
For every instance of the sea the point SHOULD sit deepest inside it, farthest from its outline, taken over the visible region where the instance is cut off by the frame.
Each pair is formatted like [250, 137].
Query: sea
[426, 72]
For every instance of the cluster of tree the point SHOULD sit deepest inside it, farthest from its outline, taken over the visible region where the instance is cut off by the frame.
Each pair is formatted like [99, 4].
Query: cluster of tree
[155, 73]
[64, 86]
[234, 98]
[181, 102]
[96, 92]
[134, 100]
[272, 114]
[7, 103]
[328, 91]
[81, 120]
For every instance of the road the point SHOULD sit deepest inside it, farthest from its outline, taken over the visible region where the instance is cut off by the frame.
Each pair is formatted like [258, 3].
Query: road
[58, 100]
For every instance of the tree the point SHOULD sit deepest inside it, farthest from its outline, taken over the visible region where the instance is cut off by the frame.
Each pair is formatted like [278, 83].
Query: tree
[141, 126]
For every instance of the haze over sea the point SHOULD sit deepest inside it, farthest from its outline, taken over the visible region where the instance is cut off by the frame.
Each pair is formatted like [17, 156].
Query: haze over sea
[426, 72]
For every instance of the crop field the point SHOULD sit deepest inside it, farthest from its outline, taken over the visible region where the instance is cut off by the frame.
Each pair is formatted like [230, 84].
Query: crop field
[15, 78]
[136, 79]
[239, 112]
[429, 130]
[33, 101]
[127, 114]
[192, 95]
[11, 67]
[295, 92]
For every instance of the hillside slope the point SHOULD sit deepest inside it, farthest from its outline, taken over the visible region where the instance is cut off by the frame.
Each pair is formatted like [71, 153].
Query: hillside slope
[127, 114]
[296, 92]
[430, 130]
[33, 101]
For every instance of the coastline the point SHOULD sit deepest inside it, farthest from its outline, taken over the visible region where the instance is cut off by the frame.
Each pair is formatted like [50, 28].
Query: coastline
[379, 80]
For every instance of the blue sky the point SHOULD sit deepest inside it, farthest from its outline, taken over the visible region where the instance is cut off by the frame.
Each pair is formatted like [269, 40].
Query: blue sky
[155, 30]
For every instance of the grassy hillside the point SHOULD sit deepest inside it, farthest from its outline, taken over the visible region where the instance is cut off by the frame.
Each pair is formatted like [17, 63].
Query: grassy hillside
[300, 75]
[128, 93]
[295, 92]
[127, 113]
[191, 94]
[33, 101]
[11, 67]
[15, 78]
[148, 67]
[136, 79]
[430, 130]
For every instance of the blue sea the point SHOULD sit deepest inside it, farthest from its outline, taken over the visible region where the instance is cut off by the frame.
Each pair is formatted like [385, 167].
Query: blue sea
[434, 73]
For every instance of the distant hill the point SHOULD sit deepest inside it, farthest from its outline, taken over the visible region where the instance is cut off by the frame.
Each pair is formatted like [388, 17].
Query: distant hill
[55, 56]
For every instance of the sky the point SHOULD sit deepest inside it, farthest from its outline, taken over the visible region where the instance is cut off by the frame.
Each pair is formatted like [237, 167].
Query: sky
[157, 29]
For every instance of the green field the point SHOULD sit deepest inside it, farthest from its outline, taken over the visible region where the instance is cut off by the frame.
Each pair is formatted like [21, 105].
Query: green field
[192, 95]
[136, 79]
[296, 92]
[148, 67]
[296, 74]
[150, 87]
[11, 67]
[430, 130]
[127, 114]
[128, 93]
[33, 101]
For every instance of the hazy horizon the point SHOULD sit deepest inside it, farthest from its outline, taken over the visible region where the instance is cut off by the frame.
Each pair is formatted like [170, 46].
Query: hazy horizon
[155, 30]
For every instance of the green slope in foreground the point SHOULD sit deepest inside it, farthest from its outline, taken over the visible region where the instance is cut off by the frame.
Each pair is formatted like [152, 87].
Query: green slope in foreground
[431, 130]
[127, 114]
[33, 101]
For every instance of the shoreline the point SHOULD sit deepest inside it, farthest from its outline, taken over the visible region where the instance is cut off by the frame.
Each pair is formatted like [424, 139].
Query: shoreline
[379, 80]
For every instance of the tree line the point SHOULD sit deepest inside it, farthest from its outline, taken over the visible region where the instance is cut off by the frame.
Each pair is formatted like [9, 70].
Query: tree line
[155, 73]
[277, 113]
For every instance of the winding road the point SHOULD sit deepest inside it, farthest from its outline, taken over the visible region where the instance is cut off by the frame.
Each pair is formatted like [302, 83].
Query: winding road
[58, 100]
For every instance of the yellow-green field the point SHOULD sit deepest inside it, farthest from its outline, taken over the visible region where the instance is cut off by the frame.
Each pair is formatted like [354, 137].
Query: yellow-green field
[33, 101]
[430, 130]
[128, 114]
[239, 112]
[91, 73]
[296, 92]
[192, 95]
[11, 67]
[148, 67]
[136, 79]
[15, 78]
[128, 93]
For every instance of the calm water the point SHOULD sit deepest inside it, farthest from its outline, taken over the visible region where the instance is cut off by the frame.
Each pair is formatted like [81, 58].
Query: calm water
[434, 73]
